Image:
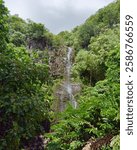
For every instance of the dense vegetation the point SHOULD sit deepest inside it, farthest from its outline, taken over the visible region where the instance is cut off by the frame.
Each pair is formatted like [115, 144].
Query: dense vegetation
[27, 83]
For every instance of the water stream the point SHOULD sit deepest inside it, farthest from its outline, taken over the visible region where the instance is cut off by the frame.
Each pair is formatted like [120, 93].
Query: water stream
[68, 85]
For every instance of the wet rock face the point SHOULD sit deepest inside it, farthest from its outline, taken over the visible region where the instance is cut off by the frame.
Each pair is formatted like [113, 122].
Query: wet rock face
[57, 62]
[62, 96]
[67, 90]
[76, 88]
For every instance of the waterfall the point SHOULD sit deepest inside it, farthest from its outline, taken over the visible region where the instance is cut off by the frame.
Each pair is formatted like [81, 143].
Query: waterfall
[66, 90]
[68, 85]
[68, 64]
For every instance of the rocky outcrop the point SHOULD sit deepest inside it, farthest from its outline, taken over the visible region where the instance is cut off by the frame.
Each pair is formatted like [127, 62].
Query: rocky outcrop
[98, 143]
[57, 62]
[37, 44]
[36, 143]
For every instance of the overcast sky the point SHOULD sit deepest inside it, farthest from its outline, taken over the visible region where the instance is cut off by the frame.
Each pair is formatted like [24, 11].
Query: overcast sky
[57, 15]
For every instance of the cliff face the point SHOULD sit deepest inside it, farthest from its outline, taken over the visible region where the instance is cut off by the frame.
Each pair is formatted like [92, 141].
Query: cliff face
[60, 65]
[62, 97]
[37, 44]
[57, 62]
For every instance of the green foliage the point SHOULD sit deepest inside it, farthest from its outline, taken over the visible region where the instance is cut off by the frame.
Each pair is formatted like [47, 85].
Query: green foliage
[64, 37]
[98, 111]
[18, 39]
[61, 39]
[22, 100]
[104, 42]
[108, 17]
[26, 86]
[115, 143]
[29, 34]
[97, 114]
[35, 30]
[17, 24]
[23, 104]
[66, 135]
[17, 31]
[38, 37]
[84, 34]
[88, 68]
[90, 64]
[3, 26]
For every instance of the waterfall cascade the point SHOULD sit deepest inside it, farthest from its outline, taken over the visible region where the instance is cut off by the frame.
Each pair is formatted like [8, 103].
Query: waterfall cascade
[68, 85]
[66, 90]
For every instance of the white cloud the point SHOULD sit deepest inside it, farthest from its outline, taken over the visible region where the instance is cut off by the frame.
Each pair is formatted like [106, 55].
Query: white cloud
[57, 15]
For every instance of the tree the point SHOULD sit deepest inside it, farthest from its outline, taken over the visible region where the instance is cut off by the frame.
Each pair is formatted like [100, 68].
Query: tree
[87, 67]
[17, 31]
[38, 37]
[3, 26]
[18, 39]
[17, 24]
[22, 99]
[106, 18]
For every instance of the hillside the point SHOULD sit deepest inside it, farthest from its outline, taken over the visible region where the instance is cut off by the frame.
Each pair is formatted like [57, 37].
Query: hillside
[60, 92]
